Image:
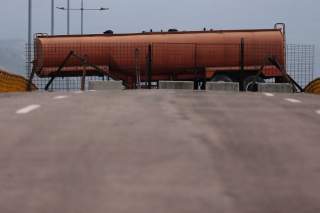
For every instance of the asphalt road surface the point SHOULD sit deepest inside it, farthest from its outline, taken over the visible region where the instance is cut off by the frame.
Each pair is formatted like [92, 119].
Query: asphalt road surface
[159, 152]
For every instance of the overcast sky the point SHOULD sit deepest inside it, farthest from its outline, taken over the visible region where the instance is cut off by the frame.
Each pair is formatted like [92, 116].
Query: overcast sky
[302, 17]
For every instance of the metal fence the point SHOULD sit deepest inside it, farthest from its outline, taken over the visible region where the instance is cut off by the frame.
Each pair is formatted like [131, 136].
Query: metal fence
[300, 59]
[300, 63]
[317, 62]
[60, 84]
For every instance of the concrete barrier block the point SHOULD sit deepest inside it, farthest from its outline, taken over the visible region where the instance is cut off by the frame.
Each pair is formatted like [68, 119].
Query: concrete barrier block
[223, 86]
[188, 85]
[275, 87]
[105, 85]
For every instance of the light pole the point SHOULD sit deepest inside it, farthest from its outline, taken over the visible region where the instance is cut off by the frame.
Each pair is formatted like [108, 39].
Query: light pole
[82, 13]
[68, 17]
[52, 17]
[81, 9]
[29, 38]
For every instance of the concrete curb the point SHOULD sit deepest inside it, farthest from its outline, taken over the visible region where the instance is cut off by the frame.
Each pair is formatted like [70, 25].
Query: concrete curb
[223, 86]
[105, 85]
[187, 85]
[275, 87]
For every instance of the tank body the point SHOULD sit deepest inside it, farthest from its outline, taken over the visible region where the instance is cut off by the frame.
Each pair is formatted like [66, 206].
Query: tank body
[172, 52]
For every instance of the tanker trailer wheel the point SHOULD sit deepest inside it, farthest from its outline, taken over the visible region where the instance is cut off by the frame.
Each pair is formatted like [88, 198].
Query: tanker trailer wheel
[221, 78]
[250, 83]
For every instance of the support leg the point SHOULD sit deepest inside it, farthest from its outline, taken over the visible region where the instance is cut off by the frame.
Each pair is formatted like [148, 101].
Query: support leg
[241, 79]
[83, 79]
[29, 86]
[49, 83]
[59, 69]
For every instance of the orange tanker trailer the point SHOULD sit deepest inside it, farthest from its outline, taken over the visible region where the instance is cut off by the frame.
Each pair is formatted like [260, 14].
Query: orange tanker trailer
[229, 55]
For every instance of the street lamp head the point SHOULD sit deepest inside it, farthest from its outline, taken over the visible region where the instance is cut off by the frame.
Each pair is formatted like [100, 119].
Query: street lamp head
[61, 8]
[103, 8]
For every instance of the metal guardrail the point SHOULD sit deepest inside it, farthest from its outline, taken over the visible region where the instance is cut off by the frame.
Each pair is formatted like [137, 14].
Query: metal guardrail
[13, 83]
[313, 87]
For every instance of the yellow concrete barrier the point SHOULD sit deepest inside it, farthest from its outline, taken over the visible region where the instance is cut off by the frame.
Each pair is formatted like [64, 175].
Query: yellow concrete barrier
[313, 87]
[13, 83]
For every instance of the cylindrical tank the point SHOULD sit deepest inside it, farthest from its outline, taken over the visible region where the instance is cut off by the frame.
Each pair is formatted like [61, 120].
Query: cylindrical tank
[171, 51]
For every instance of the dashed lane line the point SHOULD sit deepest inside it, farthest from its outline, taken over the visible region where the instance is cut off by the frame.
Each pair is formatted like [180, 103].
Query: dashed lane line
[318, 112]
[269, 94]
[60, 97]
[292, 100]
[92, 90]
[28, 109]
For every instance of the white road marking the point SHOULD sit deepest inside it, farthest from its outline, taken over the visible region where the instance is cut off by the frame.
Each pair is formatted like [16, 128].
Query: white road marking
[92, 90]
[28, 109]
[60, 97]
[293, 100]
[78, 92]
[269, 94]
[318, 112]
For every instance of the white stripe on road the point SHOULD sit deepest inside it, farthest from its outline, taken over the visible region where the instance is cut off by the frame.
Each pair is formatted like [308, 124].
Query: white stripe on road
[318, 112]
[60, 97]
[28, 109]
[92, 90]
[292, 100]
[78, 92]
[268, 94]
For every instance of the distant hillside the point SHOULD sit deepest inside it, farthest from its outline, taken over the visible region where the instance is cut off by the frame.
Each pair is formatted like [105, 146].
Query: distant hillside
[12, 56]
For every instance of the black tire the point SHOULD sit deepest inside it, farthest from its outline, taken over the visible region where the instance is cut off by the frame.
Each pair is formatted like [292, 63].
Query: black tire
[250, 83]
[221, 78]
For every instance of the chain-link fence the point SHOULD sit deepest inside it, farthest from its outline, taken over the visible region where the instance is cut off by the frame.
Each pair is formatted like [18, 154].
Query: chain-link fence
[317, 62]
[64, 84]
[173, 61]
[301, 63]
